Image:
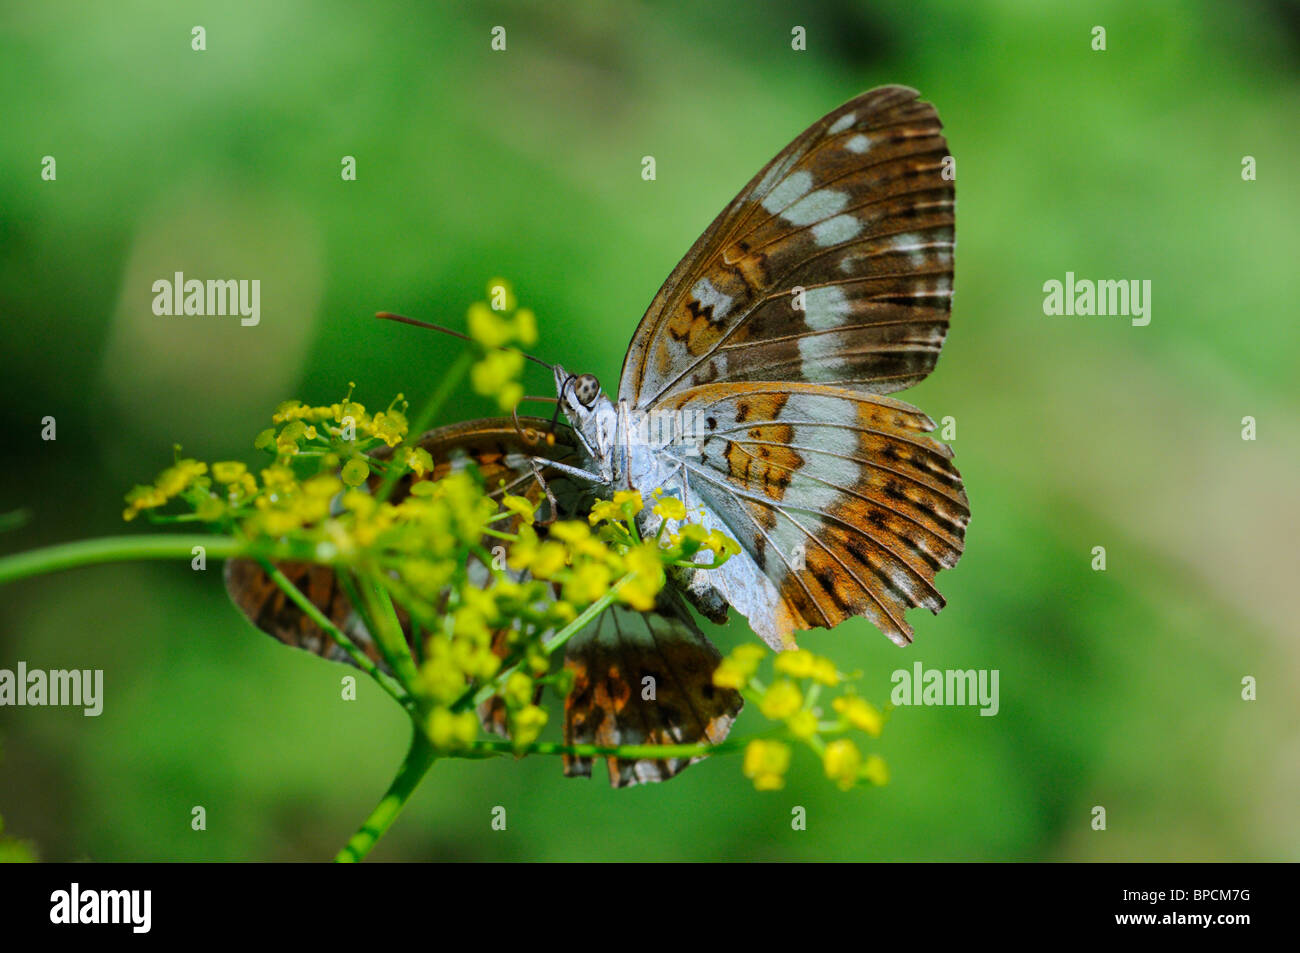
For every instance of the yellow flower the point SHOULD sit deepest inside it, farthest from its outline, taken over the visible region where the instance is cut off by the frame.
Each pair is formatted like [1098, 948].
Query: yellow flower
[526, 724]
[389, 426]
[286, 443]
[842, 761]
[497, 375]
[470, 623]
[603, 511]
[550, 559]
[322, 486]
[417, 460]
[521, 506]
[803, 724]
[180, 477]
[543, 560]
[439, 678]
[428, 577]
[797, 664]
[570, 531]
[142, 498]
[737, 668]
[588, 583]
[781, 700]
[721, 544]
[729, 675]
[487, 327]
[875, 770]
[518, 690]
[451, 730]
[278, 479]
[860, 714]
[526, 327]
[824, 671]
[671, 508]
[800, 663]
[289, 410]
[642, 589]
[228, 471]
[766, 763]
[629, 500]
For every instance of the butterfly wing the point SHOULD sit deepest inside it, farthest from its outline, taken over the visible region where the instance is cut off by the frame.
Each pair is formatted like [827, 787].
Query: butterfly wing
[644, 678]
[841, 503]
[858, 214]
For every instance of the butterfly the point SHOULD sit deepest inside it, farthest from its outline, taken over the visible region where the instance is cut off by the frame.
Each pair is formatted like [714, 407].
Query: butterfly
[755, 390]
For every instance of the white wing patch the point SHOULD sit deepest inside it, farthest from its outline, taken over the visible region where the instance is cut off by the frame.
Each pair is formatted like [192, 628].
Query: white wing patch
[788, 191]
[836, 230]
[825, 307]
[817, 206]
[858, 144]
[844, 122]
[710, 297]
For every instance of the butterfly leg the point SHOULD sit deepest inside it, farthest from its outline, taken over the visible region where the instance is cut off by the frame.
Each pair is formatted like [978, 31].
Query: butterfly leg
[550, 497]
[537, 463]
[576, 472]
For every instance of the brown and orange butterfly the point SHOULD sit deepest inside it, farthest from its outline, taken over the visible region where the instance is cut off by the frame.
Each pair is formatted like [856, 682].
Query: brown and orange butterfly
[754, 390]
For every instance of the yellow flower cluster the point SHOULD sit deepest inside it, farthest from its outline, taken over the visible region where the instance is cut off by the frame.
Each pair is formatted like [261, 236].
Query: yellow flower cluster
[181, 477]
[586, 559]
[497, 324]
[336, 440]
[792, 700]
[347, 420]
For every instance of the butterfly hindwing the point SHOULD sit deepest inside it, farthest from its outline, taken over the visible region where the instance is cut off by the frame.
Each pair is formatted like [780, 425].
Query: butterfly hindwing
[833, 265]
[644, 678]
[841, 502]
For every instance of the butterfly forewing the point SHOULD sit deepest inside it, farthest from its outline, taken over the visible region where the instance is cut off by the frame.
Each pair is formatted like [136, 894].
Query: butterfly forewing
[833, 265]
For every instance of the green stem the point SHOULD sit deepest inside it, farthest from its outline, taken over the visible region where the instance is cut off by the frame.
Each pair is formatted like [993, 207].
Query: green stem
[388, 634]
[117, 549]
[363, 662]
[419, 758]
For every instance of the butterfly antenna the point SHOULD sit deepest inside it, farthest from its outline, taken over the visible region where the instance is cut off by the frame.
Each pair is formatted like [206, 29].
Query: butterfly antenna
[388, 316]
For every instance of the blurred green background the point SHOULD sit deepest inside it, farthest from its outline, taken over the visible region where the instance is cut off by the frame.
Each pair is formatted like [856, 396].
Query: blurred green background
[1118, 688]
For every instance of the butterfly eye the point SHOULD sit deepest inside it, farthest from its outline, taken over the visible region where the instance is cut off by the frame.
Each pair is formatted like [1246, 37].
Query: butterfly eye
[586, 388]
